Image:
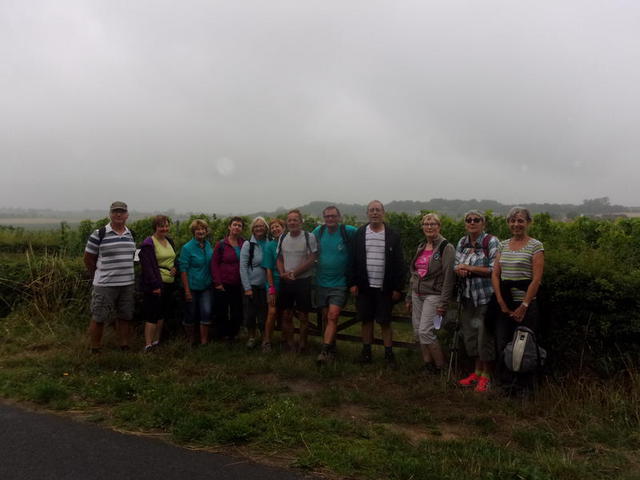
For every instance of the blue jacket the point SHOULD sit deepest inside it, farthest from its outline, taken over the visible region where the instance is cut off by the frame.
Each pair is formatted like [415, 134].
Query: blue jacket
[254, 274]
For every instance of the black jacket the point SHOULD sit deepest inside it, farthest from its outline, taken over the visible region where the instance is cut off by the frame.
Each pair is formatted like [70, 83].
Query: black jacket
[395, 270]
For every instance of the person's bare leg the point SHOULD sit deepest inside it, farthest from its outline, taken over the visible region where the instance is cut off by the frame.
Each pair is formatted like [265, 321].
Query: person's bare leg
[269, 324]
[123, 328]
[367, 333]
[158, 333]
[331, 323]
[96, 331]
[387, 335]
[190, 330]
[304, 327]
[438, 356]
[204, 334]
[149, 333]
[287, 328]
[426, 355]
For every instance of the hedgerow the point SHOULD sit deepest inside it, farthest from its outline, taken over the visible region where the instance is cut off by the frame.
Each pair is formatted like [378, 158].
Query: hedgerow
[590, 297]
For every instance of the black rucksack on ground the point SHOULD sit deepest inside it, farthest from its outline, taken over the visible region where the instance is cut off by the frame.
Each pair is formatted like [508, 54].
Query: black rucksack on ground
[523, 354]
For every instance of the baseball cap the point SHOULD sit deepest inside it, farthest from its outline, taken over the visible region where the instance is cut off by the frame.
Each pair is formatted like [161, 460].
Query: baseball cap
[118, 206]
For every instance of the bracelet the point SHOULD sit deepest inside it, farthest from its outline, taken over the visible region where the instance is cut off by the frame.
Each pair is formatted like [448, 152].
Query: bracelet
[525, 304]
[272, 290]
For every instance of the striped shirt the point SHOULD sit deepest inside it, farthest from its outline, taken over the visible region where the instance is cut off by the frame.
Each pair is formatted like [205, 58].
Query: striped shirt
[115, 257]
[374, 247]
[477, 288]
[518, 264]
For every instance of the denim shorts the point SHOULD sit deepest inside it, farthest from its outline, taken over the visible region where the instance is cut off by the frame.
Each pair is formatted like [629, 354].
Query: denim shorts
[199, 309]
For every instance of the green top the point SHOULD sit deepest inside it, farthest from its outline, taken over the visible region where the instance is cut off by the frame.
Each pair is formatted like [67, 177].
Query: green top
[269, 261]
[333, 256]
[166, 258]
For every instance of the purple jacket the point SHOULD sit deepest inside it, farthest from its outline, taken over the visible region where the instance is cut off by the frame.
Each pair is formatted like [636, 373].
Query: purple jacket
[225, 264]
[150, 278]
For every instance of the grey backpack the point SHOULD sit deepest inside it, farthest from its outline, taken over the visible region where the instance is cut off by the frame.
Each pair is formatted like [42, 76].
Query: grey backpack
[523, 354]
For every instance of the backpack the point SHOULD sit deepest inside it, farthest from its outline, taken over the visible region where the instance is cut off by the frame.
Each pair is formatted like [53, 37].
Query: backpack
[343, 234]
[441, 247]
[252, 249]
[523, 354]
[102, 231]
[485, 245]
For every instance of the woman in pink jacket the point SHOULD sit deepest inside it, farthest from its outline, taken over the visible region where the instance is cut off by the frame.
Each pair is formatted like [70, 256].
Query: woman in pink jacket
[225, 271]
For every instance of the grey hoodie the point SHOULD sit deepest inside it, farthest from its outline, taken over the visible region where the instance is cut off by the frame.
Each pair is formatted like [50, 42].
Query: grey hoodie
[440, 278]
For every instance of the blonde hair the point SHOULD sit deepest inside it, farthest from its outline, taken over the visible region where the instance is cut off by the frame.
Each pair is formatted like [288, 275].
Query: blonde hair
[256, 220]
[431, 216]
[198, 223]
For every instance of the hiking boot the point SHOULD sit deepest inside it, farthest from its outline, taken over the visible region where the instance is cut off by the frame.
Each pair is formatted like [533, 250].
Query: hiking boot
[365, 358]
[323, 358]
[251, 343]
[469, 381]
[266, 347]
[390, 358]
[483, 385]
[430, 369]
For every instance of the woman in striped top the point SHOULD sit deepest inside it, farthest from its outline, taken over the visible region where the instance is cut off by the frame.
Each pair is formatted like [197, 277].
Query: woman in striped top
[516, 277]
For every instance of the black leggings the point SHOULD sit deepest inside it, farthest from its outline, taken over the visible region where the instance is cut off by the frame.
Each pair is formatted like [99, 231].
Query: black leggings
[228, 307]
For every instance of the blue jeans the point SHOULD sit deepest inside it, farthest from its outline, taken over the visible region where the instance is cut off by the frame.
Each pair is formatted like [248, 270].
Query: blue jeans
[199, 308]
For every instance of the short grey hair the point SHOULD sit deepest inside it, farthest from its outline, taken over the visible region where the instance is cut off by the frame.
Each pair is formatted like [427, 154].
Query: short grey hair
[375, 201]
[477, 213]
[519, 210]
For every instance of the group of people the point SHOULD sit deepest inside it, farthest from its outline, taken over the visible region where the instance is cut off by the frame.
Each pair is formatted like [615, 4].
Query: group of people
[268, 278]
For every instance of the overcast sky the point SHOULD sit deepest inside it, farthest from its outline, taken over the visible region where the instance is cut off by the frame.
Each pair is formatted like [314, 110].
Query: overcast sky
[241, 106]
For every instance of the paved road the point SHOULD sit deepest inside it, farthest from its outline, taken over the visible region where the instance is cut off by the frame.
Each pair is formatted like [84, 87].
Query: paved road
[40, 446]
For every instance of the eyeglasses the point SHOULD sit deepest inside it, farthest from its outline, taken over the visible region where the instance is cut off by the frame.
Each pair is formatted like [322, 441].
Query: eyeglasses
[473, 220]
[430, 224]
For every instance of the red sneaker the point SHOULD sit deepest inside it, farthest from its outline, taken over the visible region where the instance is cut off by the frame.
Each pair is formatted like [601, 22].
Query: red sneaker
[483, 385]
[470, 381]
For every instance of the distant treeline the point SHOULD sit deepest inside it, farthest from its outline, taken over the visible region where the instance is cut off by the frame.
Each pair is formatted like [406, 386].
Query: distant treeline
[454, 208]
[457, 208]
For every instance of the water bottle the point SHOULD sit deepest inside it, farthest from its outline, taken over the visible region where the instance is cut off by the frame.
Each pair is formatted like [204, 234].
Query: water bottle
[437, 322]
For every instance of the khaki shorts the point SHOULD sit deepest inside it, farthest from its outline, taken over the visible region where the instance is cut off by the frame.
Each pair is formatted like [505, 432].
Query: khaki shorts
[477, 341]
[109, 303]
[331, 296]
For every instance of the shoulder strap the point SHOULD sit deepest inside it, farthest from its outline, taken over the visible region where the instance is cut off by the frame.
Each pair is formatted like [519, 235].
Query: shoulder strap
[485, 245]
[442, 246]
[252, 248]
[306, 239]
[343, 232]
[321, 231]
[279, 245]
[102, 231]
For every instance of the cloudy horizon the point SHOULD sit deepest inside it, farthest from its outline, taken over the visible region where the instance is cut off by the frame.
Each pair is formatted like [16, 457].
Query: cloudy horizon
[249, 106]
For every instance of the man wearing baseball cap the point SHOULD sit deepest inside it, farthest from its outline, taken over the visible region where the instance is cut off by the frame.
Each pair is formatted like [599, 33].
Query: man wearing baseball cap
[108, 257]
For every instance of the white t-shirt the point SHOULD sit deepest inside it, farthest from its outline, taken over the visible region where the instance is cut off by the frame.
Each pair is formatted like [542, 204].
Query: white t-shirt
[374, 247]
[295, 252]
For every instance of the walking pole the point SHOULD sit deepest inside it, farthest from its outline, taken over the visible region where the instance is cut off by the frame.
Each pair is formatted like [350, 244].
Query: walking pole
[455, 339]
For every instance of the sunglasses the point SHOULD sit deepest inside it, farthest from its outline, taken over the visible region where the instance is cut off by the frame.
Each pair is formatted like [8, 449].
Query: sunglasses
[473, 220]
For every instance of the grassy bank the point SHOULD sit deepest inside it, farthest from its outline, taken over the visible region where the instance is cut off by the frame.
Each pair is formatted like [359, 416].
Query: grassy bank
[344, 420]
